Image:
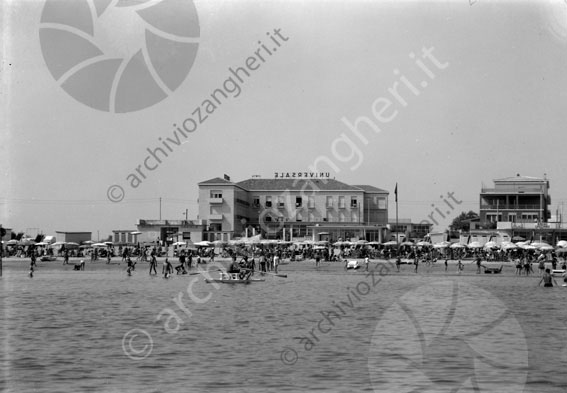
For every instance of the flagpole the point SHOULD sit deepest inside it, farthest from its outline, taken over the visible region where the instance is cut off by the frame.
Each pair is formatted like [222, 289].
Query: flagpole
[397, 227]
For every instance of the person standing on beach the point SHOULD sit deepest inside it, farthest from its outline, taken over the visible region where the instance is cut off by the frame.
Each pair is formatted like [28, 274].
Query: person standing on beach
[167, 269]
[478, 264]
[398, 263]
[460, 266]
[446, 264]
[366, 262]
[153, 264]
[416, 262]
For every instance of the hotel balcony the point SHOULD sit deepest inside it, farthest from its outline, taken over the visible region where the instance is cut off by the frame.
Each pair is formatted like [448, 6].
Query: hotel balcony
[511, 207]
[215, 200]
[215, 217]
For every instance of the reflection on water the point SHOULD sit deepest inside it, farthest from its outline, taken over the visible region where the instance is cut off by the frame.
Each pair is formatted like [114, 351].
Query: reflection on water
[63, 331]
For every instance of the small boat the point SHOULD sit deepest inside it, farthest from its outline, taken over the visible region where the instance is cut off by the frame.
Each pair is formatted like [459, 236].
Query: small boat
[232, 278]
[352, 265]
[557, 272]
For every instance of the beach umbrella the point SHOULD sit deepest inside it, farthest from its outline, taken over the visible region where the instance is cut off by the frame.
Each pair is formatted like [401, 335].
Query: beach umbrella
[490, 245]
[509, 246]
[474, 245]
[390, 243]
[546, 247]
[88, 242]
[562, 243]
[203, 243]
[56, 244]
[179, 244]
[72, 245]
[41, 244]
[457, 245]
[337, 244]
[518, 239]
[423, 244]
[100, 245]
[539, 244]
[13, 241]
[561, 250]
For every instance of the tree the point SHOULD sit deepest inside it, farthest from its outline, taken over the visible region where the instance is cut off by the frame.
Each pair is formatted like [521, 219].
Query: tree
[462, 221]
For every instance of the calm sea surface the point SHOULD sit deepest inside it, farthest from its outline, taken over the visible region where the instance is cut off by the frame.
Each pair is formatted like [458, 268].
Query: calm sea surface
[324, 329]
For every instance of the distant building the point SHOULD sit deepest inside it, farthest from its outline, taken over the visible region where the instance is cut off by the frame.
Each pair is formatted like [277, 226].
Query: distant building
[169, 231]
[405, 228]
[291, 206]
[123, 237]
[75, 237]
[518, 199]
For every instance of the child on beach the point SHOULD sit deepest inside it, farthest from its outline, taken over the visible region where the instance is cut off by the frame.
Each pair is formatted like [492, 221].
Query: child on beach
[460, 266]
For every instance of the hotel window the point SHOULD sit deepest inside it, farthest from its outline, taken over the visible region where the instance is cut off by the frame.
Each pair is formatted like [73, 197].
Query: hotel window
[256, 201]
[299, 217]
[311, 217]
[354, 216]
[215, 210]
[216, 194]
[298, 201]
[329, 201]
[328, 217]
[311, 202]
[512, 217]
[341, 202]
[268, 201]
[353, 202]
[281, 201]
[341, 216]
[381, 202]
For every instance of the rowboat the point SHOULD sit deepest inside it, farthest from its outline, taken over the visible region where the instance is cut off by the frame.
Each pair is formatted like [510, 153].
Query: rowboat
[232, 278]
[352, 265]
[557, 272]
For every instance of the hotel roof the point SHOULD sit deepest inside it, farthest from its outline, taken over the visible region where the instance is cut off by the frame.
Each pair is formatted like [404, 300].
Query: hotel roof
[368, 188]
[297, 184]
[519, 178]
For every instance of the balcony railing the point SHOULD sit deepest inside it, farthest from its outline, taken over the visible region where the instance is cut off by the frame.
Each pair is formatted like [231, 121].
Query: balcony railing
[215, 217]
[215, 200]
[511, 207]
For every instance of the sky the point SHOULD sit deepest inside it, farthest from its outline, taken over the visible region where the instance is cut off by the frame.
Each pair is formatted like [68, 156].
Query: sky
[441, 97]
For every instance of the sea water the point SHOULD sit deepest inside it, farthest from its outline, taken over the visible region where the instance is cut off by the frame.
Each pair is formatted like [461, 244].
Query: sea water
[318, 329]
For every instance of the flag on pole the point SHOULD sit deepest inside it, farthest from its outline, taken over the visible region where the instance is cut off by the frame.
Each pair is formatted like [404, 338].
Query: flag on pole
[396, 192]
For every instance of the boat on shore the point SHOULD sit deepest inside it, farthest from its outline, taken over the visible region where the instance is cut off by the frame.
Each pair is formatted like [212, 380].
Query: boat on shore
[557, 272]
[233, 278]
